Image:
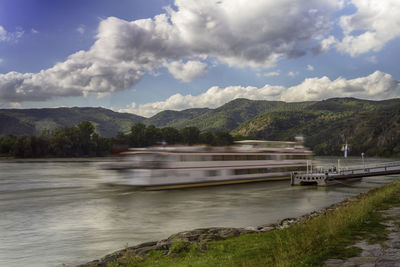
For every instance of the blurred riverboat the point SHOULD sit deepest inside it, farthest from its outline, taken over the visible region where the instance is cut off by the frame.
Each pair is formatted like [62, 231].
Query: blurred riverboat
[172, 167]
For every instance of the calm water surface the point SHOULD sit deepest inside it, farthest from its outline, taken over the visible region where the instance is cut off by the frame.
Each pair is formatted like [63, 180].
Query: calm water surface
[55, 213]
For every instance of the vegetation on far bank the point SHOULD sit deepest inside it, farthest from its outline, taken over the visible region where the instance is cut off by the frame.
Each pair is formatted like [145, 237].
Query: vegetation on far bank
[308, 243]
[83, 141]
[370, 127]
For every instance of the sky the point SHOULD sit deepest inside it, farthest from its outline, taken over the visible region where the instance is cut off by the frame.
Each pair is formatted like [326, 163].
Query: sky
[143, 57]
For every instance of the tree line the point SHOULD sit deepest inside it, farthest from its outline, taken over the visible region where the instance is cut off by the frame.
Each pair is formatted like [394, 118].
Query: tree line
[83, 141]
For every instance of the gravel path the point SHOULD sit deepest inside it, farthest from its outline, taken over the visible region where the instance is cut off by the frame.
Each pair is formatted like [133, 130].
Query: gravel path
[372, 255]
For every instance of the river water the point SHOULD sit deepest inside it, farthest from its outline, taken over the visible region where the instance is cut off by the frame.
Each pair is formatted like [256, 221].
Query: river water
[58, 212]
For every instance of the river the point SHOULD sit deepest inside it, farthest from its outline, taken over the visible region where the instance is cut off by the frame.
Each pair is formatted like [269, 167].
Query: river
[58, 212]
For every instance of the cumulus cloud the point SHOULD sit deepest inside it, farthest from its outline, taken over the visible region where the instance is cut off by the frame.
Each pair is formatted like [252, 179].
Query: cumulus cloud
[292, 73]
[6, 36]
[378, 21]
[376, 86]
[252, 33]
[272, 73]
[191, 31]
[212, 98]
[237, 33]
[186, 71]
[324, 45]
[310, 68]
[1, 60]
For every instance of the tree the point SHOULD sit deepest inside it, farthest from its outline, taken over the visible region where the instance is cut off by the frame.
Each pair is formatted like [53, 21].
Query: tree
[190, 135]
[7, 144]
[137, 137]
[101, 146]
[171, 135]
[207, 138]
[23, 148]
[152, 135]
[223, 139]
[86, 131]
[62, 142]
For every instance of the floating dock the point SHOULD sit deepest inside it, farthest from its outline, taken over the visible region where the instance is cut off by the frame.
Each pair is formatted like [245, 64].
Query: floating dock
[324, 178]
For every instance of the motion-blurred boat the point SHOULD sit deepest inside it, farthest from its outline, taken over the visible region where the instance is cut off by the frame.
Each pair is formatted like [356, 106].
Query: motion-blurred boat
[171, 167]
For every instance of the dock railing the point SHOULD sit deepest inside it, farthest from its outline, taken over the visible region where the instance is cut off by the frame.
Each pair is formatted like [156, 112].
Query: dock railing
[322, 176]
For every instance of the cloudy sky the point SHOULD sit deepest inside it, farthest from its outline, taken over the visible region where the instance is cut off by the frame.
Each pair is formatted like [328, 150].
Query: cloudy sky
[147, 56]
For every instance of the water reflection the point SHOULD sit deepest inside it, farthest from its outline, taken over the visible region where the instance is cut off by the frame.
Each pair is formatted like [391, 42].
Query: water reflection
[59, 212]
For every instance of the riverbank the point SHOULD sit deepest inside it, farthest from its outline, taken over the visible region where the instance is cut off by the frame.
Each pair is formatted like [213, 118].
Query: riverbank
[328, 234]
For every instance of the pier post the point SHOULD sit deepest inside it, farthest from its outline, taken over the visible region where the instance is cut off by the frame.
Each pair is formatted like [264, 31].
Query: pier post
[362, 156]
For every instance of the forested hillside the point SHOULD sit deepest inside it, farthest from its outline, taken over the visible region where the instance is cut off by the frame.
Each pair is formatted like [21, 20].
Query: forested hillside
[170, 117]
[232, 114]
[33, 121]
[372, 127]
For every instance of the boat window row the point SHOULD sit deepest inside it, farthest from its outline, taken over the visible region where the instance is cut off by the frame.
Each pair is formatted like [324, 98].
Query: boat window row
[266, 170]
[238, 157]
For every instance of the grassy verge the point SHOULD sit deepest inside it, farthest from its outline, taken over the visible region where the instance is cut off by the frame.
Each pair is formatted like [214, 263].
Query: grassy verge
[308, 243]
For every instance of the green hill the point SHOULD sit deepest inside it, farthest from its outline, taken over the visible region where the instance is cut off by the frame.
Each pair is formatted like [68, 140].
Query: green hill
[232, 114]
[169, 117]
[33, 121]
[372, 127]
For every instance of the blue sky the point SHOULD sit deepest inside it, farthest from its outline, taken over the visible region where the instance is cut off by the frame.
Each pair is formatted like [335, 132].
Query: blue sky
[147, 56]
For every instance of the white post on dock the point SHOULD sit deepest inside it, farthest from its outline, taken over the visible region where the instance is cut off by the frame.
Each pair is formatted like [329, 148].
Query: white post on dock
[362, 156]
[338, 165]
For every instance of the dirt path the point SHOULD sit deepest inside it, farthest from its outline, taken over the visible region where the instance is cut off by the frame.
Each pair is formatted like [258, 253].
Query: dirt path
[387, 255]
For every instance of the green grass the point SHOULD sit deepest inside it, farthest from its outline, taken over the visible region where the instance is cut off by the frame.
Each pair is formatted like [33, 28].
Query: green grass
[308, 243]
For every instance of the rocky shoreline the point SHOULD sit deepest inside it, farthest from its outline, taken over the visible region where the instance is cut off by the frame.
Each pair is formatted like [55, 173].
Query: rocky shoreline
[204, 235]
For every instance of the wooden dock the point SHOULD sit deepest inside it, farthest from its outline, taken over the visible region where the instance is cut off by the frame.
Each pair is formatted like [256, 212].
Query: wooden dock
[324, 178]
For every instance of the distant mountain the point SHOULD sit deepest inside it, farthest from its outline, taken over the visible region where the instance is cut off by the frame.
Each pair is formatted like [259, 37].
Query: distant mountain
[372, 127]
[33, 121]
[169, 117]
[232, 114]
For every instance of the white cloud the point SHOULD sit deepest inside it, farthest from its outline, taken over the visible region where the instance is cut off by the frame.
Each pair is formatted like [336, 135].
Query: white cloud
[34, 31]
[310, 68]
[377, 20]
[212, 98]
[222, 30]
[3, 34]
[252, 33]
[272, 73]
[376, 86]
[186, 71]
[6, 36]
[292, 73]
[1, 60]
[325, 45]
[81, 29]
